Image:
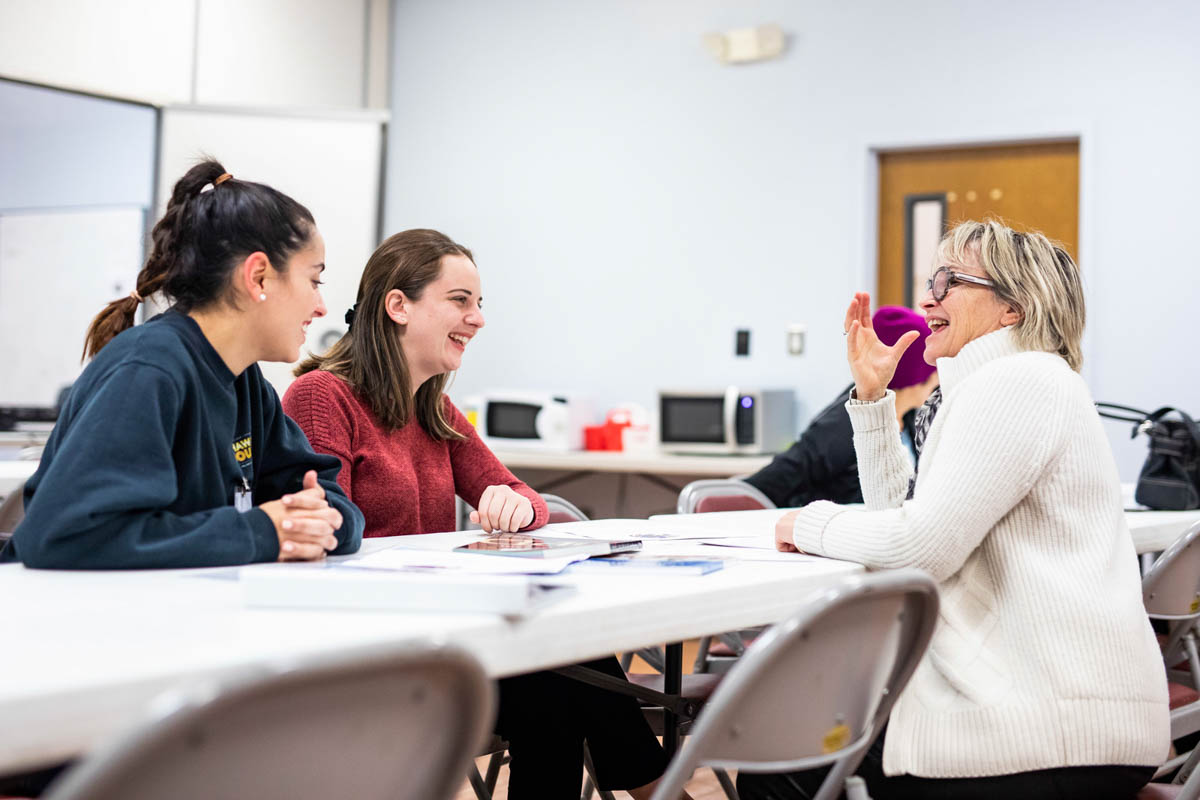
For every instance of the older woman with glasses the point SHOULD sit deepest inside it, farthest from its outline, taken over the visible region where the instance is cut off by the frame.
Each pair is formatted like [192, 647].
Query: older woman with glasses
[1043, 678]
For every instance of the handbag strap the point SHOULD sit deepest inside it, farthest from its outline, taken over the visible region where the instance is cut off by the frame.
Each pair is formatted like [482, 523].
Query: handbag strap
[1188, 422]
[1134, 415]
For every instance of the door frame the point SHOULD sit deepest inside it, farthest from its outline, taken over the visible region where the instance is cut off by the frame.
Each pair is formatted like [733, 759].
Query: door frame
[980, 135]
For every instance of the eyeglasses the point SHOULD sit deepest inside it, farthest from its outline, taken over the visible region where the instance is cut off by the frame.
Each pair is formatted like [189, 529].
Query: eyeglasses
[944, 277]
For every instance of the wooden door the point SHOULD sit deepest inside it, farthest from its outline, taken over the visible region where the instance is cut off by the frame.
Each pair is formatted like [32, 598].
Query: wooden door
[1028, 186]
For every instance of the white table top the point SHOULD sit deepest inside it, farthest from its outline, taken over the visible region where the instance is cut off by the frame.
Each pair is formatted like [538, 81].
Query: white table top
[656, 462]
[86, 651]
[1152, 530]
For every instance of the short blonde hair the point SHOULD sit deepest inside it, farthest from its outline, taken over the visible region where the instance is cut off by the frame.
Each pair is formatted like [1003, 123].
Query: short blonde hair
[1034, 275]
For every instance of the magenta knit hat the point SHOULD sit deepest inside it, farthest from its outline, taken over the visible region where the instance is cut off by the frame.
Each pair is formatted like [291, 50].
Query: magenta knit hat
[892, 322]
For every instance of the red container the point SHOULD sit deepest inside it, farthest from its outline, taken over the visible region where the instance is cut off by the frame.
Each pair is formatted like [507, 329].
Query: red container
[603, 437]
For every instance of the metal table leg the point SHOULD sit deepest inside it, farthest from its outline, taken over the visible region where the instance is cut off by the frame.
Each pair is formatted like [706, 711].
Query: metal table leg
[672, 685]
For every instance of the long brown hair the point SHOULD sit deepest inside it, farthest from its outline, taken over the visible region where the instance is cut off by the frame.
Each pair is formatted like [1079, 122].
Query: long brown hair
[369, 356]
[200, 238]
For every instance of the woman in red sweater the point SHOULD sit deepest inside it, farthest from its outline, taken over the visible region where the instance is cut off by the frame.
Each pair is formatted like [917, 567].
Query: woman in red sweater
[376, 401]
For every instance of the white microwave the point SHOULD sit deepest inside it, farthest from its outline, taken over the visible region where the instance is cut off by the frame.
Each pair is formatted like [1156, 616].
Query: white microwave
[533, 421]
[730, 420]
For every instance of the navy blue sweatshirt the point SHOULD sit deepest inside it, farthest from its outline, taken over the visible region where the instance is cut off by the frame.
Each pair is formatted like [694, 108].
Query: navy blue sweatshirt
[154, 440]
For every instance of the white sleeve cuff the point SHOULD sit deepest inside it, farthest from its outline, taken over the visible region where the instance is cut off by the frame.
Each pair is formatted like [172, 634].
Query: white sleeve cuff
[870, 416]
[808, 531]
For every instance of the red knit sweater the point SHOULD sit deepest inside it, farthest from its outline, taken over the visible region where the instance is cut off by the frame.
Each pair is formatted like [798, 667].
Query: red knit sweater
[405, 480]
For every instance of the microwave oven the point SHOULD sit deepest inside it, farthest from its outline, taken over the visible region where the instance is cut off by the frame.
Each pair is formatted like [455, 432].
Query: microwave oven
[733, 420]
[533, 421]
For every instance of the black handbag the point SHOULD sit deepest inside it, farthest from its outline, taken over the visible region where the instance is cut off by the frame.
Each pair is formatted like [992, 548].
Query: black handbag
[1170, 478]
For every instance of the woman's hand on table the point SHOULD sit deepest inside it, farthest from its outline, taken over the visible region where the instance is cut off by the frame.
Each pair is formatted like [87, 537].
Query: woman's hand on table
[502, 509]
[304, 522]
[872, 363]
[783, 533]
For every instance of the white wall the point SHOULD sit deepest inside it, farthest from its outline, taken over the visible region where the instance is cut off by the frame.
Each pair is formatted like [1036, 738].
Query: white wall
[294, 53]
[631, 202]
[281, 52]
[133, 48]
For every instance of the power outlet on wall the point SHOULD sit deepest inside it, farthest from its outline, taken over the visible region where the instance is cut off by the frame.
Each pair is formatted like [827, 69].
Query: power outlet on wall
[741, 342]
[796, 334]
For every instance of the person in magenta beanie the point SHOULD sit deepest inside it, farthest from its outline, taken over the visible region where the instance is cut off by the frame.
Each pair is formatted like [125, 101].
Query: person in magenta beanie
[821, 465]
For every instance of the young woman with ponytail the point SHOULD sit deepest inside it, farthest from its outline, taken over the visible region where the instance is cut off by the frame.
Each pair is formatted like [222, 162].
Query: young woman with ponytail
[172, 450]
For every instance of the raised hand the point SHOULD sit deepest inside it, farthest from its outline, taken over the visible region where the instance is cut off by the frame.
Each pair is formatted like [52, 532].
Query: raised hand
[872, 363]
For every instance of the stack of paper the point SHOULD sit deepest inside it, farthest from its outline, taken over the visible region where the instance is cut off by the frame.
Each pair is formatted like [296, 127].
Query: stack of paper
[345, 586]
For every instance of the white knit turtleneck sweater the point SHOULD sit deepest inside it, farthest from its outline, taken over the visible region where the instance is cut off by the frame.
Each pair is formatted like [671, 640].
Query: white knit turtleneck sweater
[1043, 656]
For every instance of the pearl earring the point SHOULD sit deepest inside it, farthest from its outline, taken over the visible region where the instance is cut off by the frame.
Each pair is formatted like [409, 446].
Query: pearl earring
[262, 296]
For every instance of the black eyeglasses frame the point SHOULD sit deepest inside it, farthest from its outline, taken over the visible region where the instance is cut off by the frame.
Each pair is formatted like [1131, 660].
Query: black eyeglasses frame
[952, 278]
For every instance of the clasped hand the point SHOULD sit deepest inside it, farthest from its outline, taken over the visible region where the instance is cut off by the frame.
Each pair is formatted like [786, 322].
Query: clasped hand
[304, 522]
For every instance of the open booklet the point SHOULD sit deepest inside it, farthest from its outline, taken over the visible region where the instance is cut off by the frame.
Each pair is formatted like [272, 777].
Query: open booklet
[531, 546]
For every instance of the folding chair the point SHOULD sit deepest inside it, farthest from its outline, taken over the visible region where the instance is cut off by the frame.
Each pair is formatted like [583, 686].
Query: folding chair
[377, 723]
[816, 689]
[1171, 592]
[1189, 790]
[563, 510]
[702, 497]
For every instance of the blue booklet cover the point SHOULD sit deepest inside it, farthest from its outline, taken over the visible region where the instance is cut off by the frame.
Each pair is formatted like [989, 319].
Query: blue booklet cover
[672, 566]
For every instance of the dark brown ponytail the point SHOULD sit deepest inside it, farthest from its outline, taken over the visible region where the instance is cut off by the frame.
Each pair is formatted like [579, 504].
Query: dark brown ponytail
[200, 238]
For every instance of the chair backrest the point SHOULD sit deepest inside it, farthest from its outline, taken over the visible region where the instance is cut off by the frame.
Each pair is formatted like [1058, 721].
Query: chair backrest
[1188, 790]
[562, 510]
[12, 510]
[703, 496]
[379, 723]
[1171, 587]
[816, 688]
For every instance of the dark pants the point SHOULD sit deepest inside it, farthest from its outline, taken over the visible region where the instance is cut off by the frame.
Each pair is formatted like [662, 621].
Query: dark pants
[31, 784]
[546, 717]
[1064, 783]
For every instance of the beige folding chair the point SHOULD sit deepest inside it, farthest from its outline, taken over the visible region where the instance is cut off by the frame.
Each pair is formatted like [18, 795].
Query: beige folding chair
[730, 494]
[562, 510]
[385, 722]
[1189, 790]
[816, 689]
[702, 497]
[1171, 592]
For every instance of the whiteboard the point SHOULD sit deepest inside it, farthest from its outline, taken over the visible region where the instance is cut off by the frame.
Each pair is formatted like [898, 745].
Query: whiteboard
[329, 164]
[58, 268]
